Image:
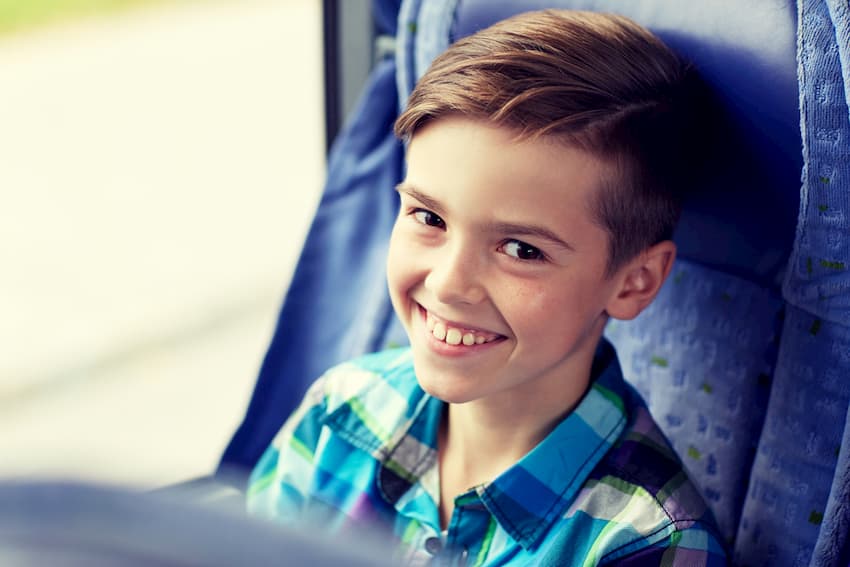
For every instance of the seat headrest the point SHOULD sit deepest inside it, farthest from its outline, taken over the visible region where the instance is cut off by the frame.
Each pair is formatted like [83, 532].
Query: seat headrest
[742, 217]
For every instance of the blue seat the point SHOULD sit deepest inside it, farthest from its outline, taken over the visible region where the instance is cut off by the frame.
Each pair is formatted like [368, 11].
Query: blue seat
[744, 358]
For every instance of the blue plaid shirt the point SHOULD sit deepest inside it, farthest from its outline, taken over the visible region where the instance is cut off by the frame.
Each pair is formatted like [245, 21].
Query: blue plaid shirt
[604, 487]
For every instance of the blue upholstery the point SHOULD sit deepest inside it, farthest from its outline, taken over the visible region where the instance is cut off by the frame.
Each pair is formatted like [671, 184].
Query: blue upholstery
[748, 379]
[799, 491]
[702, 355]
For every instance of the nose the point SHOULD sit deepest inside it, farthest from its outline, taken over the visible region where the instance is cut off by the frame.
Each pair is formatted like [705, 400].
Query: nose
[456, 275]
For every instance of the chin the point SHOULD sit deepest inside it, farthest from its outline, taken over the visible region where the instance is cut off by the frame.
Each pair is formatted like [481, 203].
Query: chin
[449, 393]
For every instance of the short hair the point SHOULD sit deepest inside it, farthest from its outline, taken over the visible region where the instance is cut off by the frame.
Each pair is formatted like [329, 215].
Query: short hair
[599, 82]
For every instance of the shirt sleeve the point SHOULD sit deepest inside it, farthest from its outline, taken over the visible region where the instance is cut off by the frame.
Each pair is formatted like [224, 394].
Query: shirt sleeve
[692, 547]
[279, 484]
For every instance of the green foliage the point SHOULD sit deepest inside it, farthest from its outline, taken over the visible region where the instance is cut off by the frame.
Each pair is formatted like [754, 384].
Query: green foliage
[16, 15]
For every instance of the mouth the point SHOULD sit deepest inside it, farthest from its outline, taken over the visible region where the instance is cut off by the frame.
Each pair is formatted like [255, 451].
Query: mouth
[456, 334]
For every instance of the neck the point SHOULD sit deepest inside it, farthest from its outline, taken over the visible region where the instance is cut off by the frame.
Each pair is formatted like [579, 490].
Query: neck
[486, 437]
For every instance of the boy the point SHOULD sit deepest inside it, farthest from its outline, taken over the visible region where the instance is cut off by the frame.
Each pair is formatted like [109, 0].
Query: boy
[544, 164]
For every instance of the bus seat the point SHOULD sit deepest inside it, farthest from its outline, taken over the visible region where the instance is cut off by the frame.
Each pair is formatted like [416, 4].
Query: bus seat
[744, 356]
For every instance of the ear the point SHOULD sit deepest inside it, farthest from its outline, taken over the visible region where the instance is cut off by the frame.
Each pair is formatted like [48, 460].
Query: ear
[640, 280]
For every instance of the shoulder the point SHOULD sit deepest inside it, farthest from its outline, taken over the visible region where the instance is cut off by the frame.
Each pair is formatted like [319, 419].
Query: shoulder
[370, 378]
[360, 401]
[643, 492]
[368, 401]
[365, 383]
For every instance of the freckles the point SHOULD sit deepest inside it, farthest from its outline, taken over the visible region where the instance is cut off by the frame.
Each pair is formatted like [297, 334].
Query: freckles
[532, 299]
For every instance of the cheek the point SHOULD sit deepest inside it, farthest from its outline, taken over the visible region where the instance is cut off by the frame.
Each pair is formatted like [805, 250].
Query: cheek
[394, 261]
[528, 306]
[533, 298]
[553, 308]
[401, 268]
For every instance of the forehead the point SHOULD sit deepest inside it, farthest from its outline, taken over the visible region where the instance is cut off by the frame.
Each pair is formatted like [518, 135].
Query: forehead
[474, 165]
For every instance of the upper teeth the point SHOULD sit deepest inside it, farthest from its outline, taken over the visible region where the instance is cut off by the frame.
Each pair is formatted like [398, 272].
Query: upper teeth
[454, 336]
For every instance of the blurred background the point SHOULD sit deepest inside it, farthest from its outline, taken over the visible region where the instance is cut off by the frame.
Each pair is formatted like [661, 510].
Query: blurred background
[160, 161]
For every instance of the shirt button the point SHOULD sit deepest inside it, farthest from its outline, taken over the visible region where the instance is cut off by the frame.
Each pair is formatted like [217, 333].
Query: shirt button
[433, 545]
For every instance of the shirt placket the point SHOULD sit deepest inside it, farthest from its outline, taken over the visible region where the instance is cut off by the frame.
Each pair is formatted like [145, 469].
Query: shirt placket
[465, 542]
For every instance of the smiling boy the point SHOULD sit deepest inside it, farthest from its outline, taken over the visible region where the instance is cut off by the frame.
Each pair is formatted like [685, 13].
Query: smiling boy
[545, 163]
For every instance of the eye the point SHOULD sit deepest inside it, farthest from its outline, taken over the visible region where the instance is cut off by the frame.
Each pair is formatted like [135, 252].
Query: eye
[426, 217]
[522, 251]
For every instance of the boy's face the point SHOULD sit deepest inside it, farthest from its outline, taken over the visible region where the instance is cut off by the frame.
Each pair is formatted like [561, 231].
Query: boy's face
[496, 268]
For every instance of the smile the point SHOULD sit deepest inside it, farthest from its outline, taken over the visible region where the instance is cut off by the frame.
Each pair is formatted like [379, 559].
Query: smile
[455, 335]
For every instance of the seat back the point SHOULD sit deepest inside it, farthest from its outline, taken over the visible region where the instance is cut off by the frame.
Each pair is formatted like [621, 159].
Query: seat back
[703, 353]
[718, 353]
[799, 490]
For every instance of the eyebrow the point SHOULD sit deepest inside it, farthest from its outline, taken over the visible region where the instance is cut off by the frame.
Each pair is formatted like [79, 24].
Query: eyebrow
[429, 202]
[494, 226]
[529, 230]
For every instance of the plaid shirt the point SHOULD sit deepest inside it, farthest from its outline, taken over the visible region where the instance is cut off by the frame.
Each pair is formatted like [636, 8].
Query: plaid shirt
[604, 487]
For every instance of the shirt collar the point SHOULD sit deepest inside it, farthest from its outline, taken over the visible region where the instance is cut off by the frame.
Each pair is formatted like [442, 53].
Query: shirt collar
[397, 422]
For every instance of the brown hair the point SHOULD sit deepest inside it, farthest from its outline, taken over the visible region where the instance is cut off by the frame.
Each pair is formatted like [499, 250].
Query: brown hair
[599, 82]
